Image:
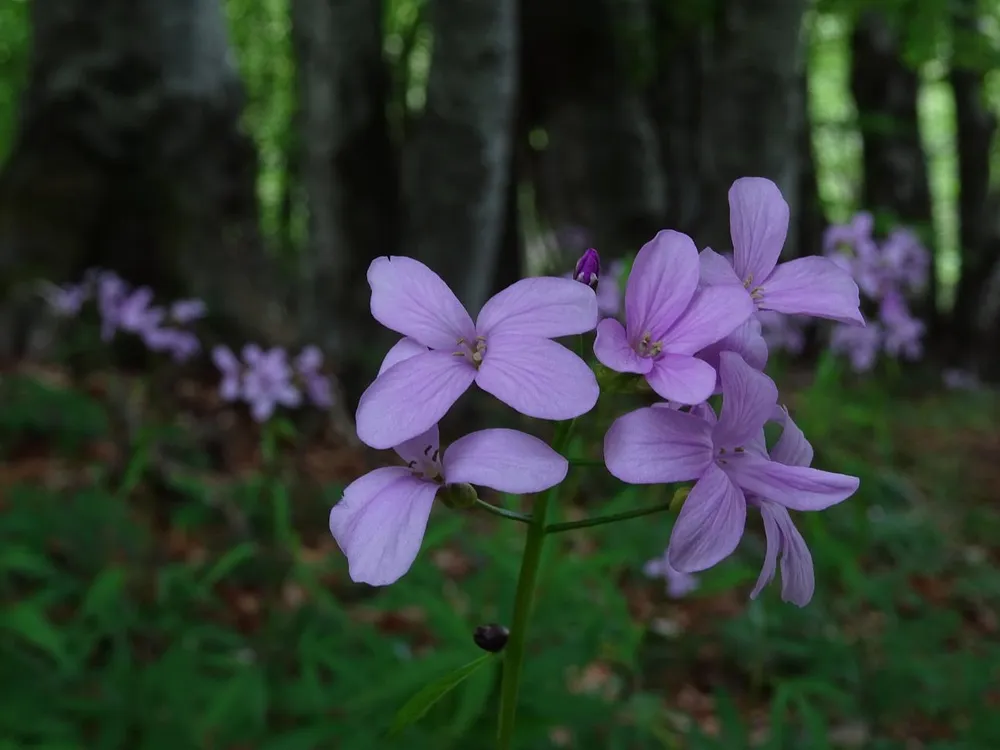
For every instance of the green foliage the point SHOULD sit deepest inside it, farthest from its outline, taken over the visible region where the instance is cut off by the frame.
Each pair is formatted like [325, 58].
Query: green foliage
[113, 637]
[14, 48]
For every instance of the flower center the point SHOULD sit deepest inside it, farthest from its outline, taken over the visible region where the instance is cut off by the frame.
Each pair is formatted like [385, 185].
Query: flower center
[756, 292]
[724, 456]
[474, 351]
[646, 347]
[428, 466]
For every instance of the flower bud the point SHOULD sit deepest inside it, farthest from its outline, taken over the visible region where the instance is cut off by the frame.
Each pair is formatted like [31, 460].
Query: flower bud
[491, 637]
[458, 496]
[680, 495]
[588, 269]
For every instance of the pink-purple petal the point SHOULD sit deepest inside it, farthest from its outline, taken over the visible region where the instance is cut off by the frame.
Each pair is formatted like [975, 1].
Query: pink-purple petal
[547, 307]
[798, 579]
[421, 448]
[710, 524]
[402, 349]
[746, 341]
[758, 223]
[714, 312]
[613, 350]
[663, 279]
[409, 298]
[772, 538]
[813, 286]
[504, 460]
[410, 396]
[682, 378]
[795, 487]
[537, 377]
[716, 270]
[748, 399]
[656, 445]
[792, 447]
[380, 522]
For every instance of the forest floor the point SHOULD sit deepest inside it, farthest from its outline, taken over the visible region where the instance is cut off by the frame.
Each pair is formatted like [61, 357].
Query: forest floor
[168, 581]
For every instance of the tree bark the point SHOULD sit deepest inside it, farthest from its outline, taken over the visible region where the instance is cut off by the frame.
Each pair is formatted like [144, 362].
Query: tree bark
[975, 126]
[729, 106]
[129, 156]
[896, 185]
[349, 176]
[599, 169]
[456, 165]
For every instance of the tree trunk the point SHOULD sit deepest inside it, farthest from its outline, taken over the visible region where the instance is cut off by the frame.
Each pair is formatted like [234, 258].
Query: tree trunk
[129, 156]
[599, 169]
[975, 126]
[349, 175]
[456, 166]
[896, 186]
[729, 106]
[812, 216]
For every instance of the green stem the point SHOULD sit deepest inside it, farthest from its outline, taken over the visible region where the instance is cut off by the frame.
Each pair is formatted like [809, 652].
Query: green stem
[503, 512]
[523, 601]
[555, 528]
[585, 462]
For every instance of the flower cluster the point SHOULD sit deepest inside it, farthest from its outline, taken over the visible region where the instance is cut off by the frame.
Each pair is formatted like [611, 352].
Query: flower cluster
[131, 310]
[886, 273]
[265, 380]
[690, 331]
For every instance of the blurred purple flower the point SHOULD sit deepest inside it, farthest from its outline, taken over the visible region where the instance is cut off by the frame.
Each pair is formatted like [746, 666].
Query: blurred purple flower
[669, 319]
[111, 291]
[679, 584]
[783, 332]
[508, 351]
[905, 259]
[315, 384]
[814, 286]
[267, 382]
[960, 380]
[381, 519]
[181, 345]
[856, 235]
[861, 345]
[65, 301]
[186, 311]
[728, 459]
[230, 389]
[902, 332]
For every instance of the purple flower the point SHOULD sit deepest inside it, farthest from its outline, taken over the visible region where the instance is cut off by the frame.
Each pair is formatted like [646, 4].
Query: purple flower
[728, 459]
[668, 319]
[609, 292]
[782, 332]
[784, 540]
[902, 332]
[679, 584]
[65, 301]
[855, 236]
[111, 292]
[588, 269]
[181, 345]
[267, 382]
[906, 260]
[315, 384]
[508, 351]
[185, 311]
[231, 368]
[380, 522]
[746, 340]
[135, 314]
[861, 345]
[813, 285]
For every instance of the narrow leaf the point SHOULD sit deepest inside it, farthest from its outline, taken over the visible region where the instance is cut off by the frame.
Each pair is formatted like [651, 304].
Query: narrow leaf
[415, 708]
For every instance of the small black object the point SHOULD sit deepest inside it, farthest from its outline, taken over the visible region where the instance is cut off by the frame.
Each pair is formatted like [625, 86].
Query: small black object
[491, 637]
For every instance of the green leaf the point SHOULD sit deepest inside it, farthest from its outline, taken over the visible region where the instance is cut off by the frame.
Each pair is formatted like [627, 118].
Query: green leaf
[228, 563]
[28, 622]
[24, 561]
[415, 708]
[105, 594]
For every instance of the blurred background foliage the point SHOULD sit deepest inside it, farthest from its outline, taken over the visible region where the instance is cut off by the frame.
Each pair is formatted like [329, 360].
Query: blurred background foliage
[166, 584]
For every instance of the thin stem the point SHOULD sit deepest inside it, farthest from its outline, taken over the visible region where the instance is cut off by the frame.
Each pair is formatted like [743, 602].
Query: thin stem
[503, 512]
[555, 528]
[523, 601]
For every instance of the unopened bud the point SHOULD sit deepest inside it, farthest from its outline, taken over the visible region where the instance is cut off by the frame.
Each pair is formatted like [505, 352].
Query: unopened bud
[588, 269]
[491, 637]
[458, 496]
[680, 495]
